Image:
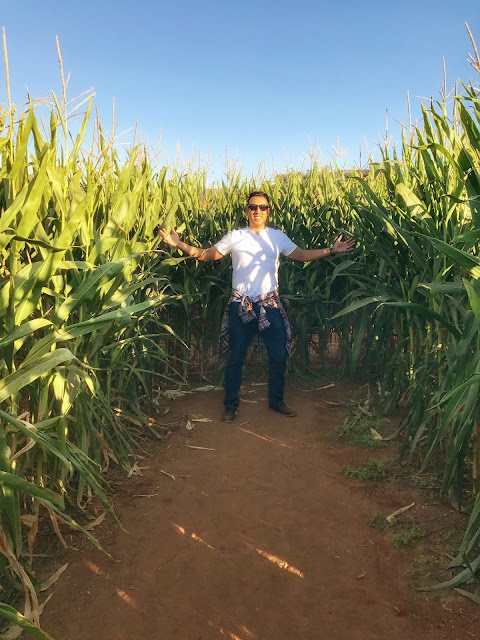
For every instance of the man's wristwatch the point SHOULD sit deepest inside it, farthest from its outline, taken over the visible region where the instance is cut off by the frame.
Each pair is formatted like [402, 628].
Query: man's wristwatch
[331, 251]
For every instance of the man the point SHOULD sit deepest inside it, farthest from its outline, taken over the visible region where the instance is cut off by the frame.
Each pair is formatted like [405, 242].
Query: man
[254, 306]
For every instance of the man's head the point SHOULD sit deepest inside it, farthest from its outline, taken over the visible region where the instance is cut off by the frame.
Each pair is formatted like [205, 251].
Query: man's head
[258, 208]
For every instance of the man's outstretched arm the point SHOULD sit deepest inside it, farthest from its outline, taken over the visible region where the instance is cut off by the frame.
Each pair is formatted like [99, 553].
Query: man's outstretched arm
[339, 246]
[204, 255]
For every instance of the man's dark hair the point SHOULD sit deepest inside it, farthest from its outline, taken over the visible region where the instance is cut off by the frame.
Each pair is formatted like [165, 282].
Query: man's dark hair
[258, 193]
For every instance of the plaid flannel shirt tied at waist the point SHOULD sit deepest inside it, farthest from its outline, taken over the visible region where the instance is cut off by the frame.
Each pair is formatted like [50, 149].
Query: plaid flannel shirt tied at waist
[247, 313]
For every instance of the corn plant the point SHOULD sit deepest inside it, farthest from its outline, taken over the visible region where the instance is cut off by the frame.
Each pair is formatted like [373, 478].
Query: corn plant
[80, 326]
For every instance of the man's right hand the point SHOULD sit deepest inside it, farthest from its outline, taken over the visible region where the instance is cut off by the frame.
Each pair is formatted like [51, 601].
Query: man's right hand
[170, 238]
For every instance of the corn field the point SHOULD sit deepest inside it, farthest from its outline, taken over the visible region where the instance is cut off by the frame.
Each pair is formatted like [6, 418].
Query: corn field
[95, 312]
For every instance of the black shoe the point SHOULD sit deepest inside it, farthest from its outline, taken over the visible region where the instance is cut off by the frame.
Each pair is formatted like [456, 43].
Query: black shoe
[228, 415]
[284, 410]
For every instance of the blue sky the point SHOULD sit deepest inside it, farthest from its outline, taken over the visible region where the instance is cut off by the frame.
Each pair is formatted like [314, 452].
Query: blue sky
[262, 79]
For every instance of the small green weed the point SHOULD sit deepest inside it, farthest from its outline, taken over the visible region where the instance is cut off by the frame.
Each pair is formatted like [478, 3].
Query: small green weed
[422, 568]
[409, 536]
[426, 480]
[447, 538]
[373, 469]
[379, 522]
[362, 432]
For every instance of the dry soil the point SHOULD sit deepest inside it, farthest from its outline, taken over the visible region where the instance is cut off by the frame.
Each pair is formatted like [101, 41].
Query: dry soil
[248, 532]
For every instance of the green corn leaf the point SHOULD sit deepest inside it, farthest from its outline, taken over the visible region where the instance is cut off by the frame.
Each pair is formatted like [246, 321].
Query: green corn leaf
[74, 331]
[90, 287]
[38, 243]
[23, 331]
[33, 201]
[21, 148]
[424, 312]
[442, 287]
[473, 298]
[19, 620]
[31, 371]
[33, 287]
[16, 483]
[80, 137]
[459, 388]
[465, 260]
[8, 215]
[37, 436]
[359, 304]
[460, 578]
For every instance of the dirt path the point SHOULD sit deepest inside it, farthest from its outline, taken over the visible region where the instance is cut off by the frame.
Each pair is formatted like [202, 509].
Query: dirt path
[260, 539]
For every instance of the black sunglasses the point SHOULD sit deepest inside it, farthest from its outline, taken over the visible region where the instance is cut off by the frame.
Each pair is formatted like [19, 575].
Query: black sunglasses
[254, 207]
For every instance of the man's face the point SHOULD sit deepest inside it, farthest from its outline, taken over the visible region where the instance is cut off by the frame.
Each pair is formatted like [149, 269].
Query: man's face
[257, 219]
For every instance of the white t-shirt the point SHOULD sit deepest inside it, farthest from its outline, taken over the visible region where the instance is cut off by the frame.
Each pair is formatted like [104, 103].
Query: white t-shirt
[255, 258]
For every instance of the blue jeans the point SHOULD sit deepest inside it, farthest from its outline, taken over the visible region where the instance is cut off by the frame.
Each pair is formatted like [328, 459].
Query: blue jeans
[240, 337]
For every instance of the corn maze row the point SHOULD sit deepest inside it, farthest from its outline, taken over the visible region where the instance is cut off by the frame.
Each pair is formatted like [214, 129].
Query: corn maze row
[95, 312]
